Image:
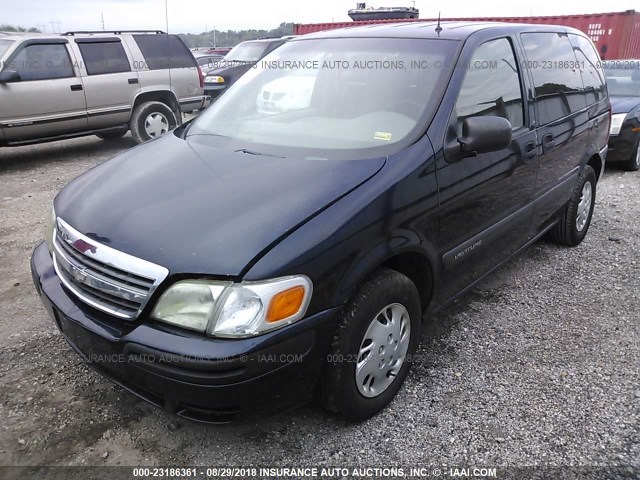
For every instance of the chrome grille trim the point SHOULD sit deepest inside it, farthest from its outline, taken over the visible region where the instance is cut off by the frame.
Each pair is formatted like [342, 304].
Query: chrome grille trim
[103, 277]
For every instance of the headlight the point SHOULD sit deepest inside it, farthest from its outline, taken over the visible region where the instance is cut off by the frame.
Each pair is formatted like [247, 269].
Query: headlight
[616, 123]
[50, 231]
[213, 79]
[225, 309]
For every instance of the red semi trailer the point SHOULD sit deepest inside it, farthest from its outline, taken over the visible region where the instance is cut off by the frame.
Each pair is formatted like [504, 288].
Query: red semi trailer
[616, 35]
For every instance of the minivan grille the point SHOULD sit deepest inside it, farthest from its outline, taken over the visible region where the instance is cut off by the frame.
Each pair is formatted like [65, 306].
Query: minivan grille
[101, 276]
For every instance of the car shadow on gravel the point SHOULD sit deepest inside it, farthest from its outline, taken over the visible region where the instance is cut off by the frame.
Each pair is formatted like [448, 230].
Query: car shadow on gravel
[61, 152]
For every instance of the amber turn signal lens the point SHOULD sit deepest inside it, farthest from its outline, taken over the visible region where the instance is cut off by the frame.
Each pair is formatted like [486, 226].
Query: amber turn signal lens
[285, 304]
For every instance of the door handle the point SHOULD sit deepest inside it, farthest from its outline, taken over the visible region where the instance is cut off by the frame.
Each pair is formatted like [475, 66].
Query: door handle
[530, 150]
[548, 141]
[76, 88]
[133, 81]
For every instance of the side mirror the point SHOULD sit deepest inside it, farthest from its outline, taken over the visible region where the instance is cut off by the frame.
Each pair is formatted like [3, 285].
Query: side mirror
[9, 76]
[484, 134]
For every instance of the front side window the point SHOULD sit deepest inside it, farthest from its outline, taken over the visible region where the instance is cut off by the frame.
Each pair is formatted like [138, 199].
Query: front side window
[104, 57]
[342, 98]
[556, 75]
[42, 62]
[491, 85]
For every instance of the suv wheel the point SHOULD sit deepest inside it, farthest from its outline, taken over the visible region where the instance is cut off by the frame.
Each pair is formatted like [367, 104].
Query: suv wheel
[378, 333]
[574, 222]
[633, 163]
[107, 136]
[151, 120]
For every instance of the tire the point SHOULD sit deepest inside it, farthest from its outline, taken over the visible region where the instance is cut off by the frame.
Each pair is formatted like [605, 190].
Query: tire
[344, 387]
[151, 120]
[111, 135]
[633, 164]
[575, 220]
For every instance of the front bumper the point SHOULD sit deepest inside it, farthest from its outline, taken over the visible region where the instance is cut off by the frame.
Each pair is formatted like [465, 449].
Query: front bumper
[203, 379]
[214, 90]
[622, 146]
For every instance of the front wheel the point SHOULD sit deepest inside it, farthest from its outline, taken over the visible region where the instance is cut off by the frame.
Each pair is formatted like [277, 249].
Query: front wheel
[576, 218]
[633, 164]
[378, 333]
[151, 120]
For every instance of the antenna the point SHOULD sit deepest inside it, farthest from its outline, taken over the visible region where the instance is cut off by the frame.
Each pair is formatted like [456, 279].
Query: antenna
[166, 13]
[438, 28]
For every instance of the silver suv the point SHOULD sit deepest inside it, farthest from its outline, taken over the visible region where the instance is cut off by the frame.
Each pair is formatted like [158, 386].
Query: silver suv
[95, 83]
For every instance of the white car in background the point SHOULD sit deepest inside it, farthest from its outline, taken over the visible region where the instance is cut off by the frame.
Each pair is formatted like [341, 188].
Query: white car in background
[288, 93]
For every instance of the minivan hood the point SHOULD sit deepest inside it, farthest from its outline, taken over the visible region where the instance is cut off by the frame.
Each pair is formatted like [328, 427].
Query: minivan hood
[231, 70]
[196, 209]
[623, 104]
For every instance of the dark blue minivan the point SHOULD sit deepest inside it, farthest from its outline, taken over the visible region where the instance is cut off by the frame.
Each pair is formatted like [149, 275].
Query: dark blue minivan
[293, 237]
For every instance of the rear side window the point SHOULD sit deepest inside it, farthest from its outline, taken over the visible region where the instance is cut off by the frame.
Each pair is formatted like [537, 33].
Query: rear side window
[589, 64]
[42, 62]
[491, 85]
[104, 57]
[164, 51]
[556, 75]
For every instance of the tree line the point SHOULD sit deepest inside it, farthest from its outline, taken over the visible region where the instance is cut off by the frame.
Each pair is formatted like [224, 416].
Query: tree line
[219, 38]
[231, 38]
[11, 28]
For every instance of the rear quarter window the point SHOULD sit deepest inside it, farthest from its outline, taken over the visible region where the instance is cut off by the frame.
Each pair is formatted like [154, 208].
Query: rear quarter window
[589, 64]
[164, 51]
[556, 77]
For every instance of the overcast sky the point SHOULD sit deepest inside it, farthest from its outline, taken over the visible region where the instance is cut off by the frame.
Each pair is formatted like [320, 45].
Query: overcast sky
[193, 16]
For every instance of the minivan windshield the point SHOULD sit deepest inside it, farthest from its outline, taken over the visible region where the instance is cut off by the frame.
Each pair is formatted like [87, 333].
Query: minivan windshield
[331, 98]
[4, 46]
[623, 77]
[246, 52]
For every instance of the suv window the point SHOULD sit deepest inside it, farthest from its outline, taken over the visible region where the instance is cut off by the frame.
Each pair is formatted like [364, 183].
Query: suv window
[491, 85]
[42, 62]
[164, 51]
[104, 57]
[589, 65]
[556, 76]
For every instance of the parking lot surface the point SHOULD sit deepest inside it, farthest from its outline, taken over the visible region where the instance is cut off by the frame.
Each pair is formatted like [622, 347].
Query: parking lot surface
[539, 365]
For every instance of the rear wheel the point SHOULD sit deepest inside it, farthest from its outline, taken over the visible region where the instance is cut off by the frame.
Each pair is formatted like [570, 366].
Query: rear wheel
[378, 332]
[633, 163]
[151, 120]
[576, 218]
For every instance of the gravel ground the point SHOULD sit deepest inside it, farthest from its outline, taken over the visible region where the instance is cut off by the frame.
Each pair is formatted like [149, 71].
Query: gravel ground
[540, 365]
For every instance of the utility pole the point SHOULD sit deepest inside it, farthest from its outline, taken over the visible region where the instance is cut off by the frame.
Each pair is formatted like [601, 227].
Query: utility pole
[102, 21]
[53, 24]
[214, 36]
[42, 27]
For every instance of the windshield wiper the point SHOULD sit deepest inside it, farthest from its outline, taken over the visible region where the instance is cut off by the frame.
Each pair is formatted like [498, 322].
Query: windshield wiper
[251, 152]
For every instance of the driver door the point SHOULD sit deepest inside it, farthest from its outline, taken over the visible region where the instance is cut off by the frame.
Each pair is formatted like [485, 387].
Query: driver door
[46, 99]
[486, 199]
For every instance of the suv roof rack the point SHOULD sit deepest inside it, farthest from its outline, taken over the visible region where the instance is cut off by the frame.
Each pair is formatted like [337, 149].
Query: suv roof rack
[115, 32]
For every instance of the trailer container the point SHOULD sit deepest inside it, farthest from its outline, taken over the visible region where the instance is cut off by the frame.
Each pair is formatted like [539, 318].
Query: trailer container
[616, 35]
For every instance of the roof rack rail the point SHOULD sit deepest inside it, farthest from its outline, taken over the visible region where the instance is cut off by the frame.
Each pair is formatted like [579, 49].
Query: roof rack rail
[115, 32]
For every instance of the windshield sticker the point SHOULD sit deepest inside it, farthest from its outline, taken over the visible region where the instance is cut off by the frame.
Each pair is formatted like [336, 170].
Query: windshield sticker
[386, 136]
